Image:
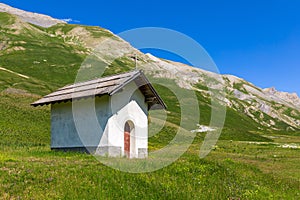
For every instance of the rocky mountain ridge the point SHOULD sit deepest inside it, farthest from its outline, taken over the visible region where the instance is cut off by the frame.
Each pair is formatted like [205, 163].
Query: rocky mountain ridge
[269, 108]
[241, 95]
[30, 17]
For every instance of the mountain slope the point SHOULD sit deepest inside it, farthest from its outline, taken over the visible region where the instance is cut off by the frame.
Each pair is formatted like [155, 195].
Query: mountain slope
[50, 57]
[34, 18]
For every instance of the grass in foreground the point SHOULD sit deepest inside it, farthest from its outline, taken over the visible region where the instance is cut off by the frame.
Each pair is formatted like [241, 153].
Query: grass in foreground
[38, 173]
[29, 170]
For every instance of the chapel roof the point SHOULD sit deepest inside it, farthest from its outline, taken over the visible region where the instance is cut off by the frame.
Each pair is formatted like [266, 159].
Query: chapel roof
[104, 86]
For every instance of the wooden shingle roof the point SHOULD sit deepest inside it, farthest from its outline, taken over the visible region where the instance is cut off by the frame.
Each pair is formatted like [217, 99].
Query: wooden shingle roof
[101, 86]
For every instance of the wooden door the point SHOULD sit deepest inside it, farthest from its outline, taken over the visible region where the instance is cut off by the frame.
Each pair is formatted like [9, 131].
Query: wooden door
[127, 140]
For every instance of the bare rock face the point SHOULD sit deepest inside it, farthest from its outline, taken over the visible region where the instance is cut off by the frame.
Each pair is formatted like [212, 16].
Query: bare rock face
[242, 95]
[291, 98]
[33, 18]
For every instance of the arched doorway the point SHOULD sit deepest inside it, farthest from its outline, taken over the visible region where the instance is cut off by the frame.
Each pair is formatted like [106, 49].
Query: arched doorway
[129, 139]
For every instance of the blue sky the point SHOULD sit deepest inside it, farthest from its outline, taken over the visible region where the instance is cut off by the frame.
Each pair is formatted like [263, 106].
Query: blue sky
[257, 40]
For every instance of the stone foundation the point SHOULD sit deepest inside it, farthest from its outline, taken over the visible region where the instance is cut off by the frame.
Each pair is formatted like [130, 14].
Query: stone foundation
[142, 153]
[109, 151]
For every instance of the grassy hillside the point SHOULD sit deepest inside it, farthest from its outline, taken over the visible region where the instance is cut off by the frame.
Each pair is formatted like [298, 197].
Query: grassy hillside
[51, 57]
[247, 163]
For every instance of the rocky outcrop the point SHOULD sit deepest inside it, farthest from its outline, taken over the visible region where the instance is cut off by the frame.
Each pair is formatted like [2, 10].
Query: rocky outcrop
[240, 95]
[30, 17]
[291, 98]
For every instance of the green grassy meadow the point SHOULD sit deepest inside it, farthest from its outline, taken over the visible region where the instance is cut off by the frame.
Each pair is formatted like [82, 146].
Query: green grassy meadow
[233, 170]
[246, 163]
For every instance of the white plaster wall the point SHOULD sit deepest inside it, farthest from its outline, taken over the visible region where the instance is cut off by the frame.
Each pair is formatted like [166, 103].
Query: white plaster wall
[129, 105]
[100, 122]
[139, 136]
[90, 115]
[62, 127]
